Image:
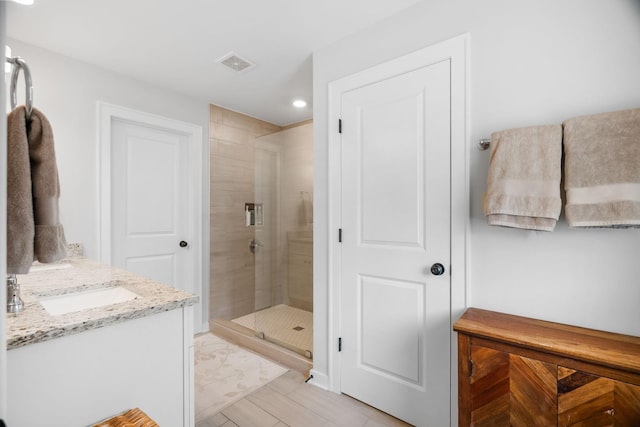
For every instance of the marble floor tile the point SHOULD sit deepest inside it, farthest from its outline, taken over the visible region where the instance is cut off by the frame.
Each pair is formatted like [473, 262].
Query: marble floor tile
[225, 373]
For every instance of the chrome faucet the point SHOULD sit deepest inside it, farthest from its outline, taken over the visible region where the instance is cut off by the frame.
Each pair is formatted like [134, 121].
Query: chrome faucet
[14, 302]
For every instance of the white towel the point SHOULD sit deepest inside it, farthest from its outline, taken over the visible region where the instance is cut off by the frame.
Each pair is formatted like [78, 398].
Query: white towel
[523, 183]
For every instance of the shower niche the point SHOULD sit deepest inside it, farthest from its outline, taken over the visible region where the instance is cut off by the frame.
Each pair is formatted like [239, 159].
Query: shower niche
[253, 214]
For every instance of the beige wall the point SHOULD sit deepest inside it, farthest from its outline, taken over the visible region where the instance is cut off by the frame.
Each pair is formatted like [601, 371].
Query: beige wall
[232, 142]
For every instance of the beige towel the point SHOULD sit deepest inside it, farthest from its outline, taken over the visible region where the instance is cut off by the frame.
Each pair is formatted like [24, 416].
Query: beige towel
[523, 183]
[34, 231]
[602, 169]
[20, 224]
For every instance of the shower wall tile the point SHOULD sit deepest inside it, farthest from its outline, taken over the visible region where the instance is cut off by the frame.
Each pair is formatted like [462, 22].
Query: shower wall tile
[255, 126]
[232, 175]
[237, 120]
[226, 198]
[297, 179]
[227, 133]
[232, 151]
[215, 113]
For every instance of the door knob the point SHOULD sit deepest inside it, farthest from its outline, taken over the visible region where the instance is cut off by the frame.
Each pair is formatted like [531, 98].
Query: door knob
[183, 244]
[437, 269]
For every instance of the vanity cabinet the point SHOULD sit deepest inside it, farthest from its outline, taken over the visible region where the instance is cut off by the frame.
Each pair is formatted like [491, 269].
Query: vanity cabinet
[516, 371]
[80, 379]
[92, 362]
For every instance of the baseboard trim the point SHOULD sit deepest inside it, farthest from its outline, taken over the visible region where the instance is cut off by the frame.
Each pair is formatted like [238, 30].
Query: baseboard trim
[319, 380]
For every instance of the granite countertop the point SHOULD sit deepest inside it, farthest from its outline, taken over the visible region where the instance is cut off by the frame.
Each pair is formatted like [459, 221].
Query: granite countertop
[34, 324]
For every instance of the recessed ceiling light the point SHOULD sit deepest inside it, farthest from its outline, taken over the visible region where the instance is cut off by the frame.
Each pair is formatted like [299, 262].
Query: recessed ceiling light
[299, 103]
[25, 2]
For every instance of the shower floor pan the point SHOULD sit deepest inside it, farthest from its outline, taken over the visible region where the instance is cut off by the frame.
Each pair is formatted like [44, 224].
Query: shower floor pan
[284, 325]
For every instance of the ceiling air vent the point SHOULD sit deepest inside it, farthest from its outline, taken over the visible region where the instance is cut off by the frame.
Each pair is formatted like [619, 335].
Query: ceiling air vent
[236, 62]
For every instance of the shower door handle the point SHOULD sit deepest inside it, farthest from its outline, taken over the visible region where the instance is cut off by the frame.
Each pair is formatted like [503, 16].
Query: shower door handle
[254, 245]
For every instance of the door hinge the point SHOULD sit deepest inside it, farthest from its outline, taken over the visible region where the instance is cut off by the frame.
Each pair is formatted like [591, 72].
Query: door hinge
[339, 125]
[339, 235]
[340, 344]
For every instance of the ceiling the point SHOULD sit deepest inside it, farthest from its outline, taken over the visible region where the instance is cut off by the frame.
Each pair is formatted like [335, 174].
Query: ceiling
[175, 44]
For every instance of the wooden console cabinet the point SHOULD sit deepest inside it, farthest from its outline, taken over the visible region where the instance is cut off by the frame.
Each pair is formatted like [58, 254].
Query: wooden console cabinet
[516, 371]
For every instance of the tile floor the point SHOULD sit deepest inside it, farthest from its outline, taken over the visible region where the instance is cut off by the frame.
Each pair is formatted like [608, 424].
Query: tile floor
[284, 325]
[225, 372]
[289, 401]
[284, 401]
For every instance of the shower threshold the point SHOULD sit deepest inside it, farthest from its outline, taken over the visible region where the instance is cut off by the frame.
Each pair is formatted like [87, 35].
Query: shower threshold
[246, 337]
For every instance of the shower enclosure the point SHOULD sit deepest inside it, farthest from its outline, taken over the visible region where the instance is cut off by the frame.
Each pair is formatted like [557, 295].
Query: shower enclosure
[269, 281]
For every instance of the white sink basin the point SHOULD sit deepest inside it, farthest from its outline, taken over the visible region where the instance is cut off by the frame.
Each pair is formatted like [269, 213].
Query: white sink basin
[78, 301]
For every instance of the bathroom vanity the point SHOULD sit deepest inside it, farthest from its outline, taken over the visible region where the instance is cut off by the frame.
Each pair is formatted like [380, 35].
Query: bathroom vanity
[94, 341]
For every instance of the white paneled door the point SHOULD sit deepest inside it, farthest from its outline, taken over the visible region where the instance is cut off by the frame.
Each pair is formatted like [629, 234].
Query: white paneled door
[395, 279]
[150, 218]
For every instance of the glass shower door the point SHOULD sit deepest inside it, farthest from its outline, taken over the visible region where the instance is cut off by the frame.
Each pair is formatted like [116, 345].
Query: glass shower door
[283, 258]
[265, 243]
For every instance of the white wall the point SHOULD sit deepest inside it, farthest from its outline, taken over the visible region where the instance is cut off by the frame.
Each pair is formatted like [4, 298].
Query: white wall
[531, 62]
[67, 92]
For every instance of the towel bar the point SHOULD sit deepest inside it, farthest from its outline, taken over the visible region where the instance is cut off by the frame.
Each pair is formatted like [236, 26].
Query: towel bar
[19, 64]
